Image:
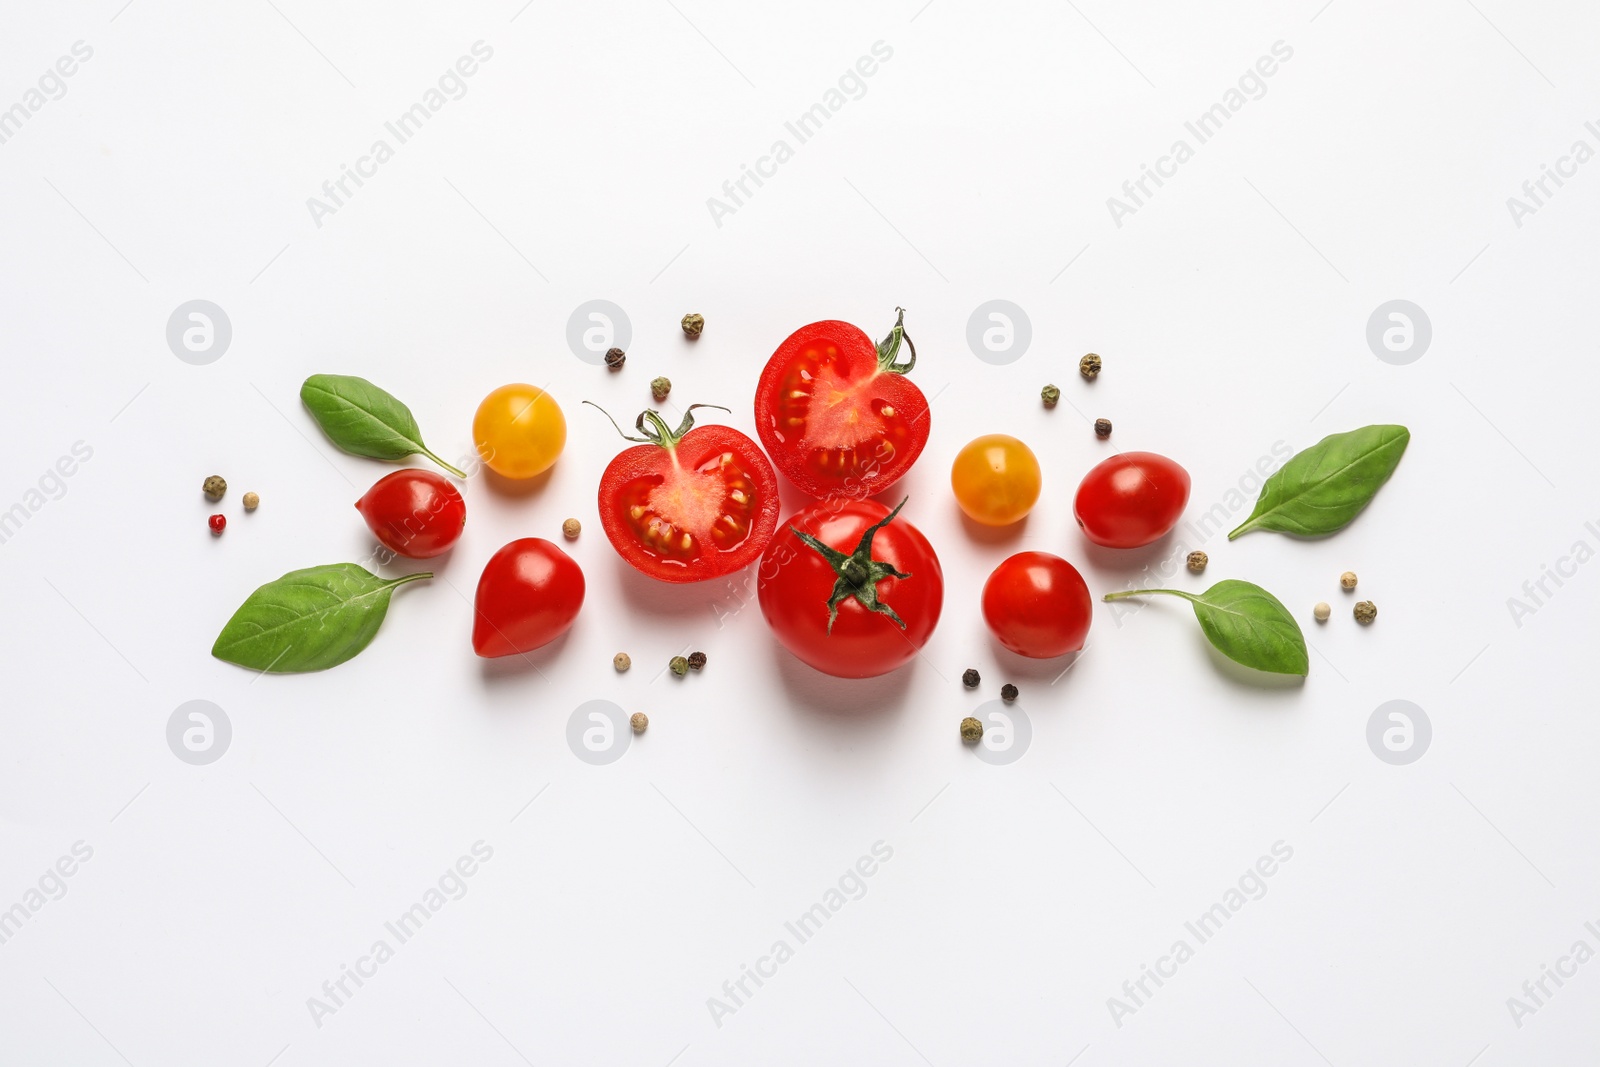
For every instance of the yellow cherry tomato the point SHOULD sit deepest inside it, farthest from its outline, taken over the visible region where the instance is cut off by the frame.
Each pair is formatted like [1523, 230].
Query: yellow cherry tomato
[996, 479]
[519, 431]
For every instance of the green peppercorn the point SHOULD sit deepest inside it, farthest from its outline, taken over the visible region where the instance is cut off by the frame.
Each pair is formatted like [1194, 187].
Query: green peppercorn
[697, 661]
[692, 325]
[1050, 395]
[679, 666]
[971, 730]
[1365, 612]
[1008, 692]
[214, 487]
[659, 388]
[615, 357]
[969, 678]
[1089, 366]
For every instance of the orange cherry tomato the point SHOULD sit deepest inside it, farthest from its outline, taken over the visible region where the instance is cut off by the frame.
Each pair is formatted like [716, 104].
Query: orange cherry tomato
[519, 431]
[996, 479]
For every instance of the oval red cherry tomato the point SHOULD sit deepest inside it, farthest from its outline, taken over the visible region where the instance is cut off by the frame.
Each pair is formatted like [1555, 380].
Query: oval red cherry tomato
[1037, 605]
[691, 503]
[1131, 499]
[869, 619]
[528, 596]
[415, 513]
[837, 413]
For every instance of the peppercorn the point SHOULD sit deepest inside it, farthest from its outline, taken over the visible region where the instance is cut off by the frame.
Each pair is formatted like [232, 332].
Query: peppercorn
[615, 357]
[214, 487]
[1321, 611]
[571, 529]
[218, 523]
[697, 660]
[1366, 611]
[621, 661]
[971, 730]
[1008, 692]
[1050, 395]
[1089, 366]
[678, 665]
[1102, 428]
[969, 678]
[660, 387]
[1198, 561]
[251, 501]
[1347, 580]
[639, 721]
[692, 325]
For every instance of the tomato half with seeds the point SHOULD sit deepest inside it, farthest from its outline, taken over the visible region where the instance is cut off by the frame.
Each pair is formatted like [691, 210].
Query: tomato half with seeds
[688, 504]
[851, 589]
[837, 413]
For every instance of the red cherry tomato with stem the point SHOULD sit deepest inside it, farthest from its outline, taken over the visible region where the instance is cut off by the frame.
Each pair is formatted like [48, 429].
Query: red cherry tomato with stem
[528, 595]
[691, 503]
[1038, 605]
[1131, 499]
[850, 589]
[837, 413]
[415, 513]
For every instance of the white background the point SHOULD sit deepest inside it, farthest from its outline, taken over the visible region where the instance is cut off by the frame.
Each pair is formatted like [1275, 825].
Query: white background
[1231, 311]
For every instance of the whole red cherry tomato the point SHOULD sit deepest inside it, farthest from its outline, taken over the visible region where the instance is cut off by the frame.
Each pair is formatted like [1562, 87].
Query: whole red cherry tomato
[691, 503]
[1131, 499]
[415, 513]
[837, 413]
[1037, 605]
[528, 596]
[849, 589]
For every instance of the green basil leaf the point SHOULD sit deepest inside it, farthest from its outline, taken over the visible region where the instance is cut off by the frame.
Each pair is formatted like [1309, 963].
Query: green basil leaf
[365, 420]
[308, 620]
[1321, 489]
[1246, 623]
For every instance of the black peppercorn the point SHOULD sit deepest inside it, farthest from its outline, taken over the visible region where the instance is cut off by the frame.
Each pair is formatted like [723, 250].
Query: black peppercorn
[615, 357]
[1008, 692]
[969, 678]
[697, 660]
[1102, 428]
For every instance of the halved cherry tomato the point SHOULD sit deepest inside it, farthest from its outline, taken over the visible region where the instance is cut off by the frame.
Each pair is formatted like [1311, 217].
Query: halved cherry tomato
[996, 479]
[837, 413]
[689, 504]
[519, 430]
[1038, 605]
[1131, 499]
[415, 513]
[850, 589]
[529, 595]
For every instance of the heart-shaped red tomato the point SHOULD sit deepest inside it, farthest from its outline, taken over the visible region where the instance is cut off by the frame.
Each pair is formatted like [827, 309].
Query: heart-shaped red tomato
[529, 595]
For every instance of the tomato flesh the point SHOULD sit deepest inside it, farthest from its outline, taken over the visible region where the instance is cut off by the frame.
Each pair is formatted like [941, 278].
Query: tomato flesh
[700, 509]
[835, 420]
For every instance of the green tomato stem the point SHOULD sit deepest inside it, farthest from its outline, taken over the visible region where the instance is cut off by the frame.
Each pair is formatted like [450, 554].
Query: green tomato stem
[453, 470]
